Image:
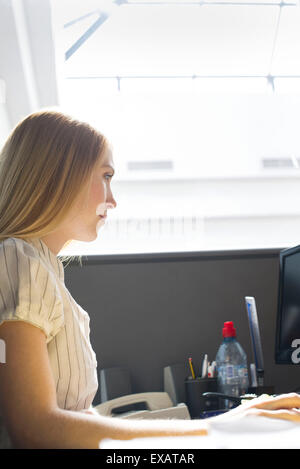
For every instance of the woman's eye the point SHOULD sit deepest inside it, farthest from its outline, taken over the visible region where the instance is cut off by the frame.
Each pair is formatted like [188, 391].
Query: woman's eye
[108, 176]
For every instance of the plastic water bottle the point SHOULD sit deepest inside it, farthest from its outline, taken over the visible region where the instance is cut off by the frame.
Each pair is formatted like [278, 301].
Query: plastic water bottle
[231, 363]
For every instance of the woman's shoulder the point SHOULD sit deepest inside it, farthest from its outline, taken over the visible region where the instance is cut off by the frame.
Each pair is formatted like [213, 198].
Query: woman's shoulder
[20, 256]
[12, 245]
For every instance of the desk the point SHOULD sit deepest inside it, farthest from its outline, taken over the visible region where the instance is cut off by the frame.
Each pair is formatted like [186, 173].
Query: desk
[250, 432]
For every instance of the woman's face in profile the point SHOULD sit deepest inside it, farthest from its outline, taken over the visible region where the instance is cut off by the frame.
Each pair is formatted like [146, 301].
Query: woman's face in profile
[86, 220]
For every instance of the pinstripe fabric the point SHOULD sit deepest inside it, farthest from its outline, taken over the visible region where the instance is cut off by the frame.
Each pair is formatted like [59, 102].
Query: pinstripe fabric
[32, 289]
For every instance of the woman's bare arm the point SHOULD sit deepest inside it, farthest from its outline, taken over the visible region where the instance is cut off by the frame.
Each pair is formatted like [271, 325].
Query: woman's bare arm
[29, 407]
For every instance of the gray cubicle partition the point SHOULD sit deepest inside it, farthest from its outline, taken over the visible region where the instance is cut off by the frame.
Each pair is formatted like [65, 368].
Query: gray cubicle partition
[148, 311]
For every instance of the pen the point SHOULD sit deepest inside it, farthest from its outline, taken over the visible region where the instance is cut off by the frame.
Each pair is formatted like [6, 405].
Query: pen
[192, 369]
[204, 366]
[213, 369]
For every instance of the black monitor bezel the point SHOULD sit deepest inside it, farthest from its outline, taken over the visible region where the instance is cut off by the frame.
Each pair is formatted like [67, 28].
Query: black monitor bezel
[280, 358]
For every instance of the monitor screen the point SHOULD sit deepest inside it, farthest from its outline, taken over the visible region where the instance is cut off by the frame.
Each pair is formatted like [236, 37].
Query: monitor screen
[287, 349]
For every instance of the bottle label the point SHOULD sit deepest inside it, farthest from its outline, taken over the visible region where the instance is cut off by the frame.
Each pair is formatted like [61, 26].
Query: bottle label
[233, 374]
[229, 372]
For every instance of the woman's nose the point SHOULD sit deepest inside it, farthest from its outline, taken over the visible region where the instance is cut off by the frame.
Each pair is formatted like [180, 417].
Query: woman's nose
[111, 203]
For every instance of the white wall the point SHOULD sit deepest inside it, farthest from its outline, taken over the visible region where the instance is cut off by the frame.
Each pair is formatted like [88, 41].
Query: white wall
[5, 125]
[27, 62]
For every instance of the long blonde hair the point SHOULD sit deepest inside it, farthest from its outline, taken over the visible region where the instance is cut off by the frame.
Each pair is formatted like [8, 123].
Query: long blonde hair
[45, 164]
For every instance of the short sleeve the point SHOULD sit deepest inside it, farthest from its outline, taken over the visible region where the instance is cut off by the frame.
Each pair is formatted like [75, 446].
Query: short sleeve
[28, 288]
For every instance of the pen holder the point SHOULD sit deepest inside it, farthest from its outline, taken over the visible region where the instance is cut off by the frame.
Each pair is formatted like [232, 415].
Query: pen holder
[196, 403]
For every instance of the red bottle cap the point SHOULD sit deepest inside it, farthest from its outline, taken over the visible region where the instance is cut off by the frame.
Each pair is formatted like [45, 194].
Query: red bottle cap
[228, 329]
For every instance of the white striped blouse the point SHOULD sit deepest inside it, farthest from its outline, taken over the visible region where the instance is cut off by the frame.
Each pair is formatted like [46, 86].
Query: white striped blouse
[32, 289]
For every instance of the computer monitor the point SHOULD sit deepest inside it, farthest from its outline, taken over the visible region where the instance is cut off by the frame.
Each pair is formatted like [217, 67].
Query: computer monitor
[287, 348]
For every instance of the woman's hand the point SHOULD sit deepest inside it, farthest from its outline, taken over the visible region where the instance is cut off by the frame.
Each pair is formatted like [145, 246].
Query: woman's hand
[284, 407]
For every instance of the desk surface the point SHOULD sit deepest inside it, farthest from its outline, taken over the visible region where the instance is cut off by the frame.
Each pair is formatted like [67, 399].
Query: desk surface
[242, 432]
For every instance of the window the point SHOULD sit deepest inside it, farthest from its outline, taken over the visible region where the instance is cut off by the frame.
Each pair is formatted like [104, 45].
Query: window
[201, 101]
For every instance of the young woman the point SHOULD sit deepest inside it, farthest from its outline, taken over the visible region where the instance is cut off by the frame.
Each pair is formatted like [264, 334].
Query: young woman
[55, 175]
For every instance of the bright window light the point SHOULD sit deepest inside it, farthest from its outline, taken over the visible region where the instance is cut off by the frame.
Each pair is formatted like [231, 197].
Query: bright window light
[237, 85]
[211, 87]
[160, 40]
[286, 60]
[287, 85]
